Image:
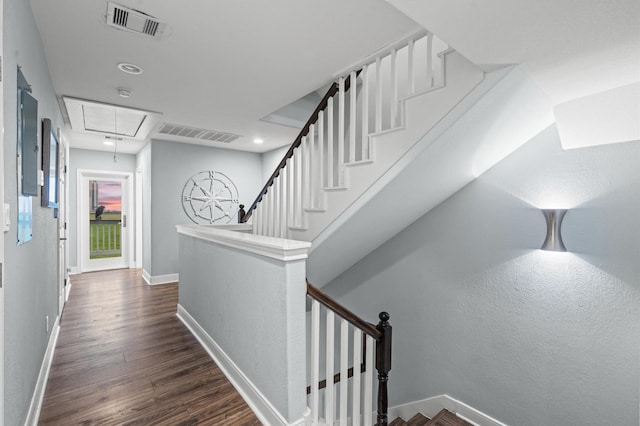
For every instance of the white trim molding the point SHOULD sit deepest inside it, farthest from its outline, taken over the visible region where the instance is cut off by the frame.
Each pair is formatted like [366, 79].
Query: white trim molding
[275, 248]
[41, 384]
[159, 279]
[432, 406]
[67, 291]
[263, 409]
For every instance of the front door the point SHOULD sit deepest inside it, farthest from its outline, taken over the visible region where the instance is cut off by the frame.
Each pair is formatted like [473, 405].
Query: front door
[104, 219]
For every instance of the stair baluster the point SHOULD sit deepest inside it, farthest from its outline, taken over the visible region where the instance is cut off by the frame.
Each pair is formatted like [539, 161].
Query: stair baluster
[378, 94]
[330, 157]
[321, 161]
[341, 127]
[365, 113]
[394, 90]
[352, 119]
[430, 81]
[410, 73]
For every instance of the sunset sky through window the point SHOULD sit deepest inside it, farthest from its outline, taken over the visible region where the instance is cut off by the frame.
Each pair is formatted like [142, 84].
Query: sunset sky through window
[110, 195]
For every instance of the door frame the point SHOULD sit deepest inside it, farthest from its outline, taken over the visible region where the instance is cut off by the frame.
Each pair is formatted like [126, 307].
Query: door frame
[2, 212]
[138, 221]
[63, 212]
[127, 200]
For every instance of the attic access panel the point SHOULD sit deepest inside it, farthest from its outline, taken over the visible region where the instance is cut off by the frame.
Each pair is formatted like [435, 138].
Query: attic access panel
[108, 119]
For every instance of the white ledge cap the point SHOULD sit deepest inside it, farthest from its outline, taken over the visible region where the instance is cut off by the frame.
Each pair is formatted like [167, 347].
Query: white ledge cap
[275, 248]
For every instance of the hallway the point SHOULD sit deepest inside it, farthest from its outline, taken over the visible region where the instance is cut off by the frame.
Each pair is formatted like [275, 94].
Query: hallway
[123, 358]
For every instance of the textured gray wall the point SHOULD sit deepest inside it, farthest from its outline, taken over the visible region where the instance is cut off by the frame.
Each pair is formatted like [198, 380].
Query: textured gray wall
[270, 161]
[266, 337]
[91, 160]
[30, 272]
[143, 160]
[172, 163]
[479, 313]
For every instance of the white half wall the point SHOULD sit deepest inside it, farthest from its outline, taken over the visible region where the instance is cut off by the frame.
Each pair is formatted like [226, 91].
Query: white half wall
[248, 295]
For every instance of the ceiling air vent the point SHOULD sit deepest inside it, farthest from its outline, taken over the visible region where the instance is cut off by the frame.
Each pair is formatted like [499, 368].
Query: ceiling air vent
[194, 133]
[133, 20]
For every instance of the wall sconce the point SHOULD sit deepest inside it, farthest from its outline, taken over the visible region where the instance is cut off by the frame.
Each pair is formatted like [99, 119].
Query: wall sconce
[553, 241]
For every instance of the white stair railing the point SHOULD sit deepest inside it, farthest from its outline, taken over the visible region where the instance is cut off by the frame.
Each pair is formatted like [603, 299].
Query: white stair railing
[361, 103]
[340, 337]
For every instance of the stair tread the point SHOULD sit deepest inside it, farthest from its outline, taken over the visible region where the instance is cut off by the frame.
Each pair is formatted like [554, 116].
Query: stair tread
[418, 420]
[447, 418]
[398, 422]
[359, 162]
[334, 188]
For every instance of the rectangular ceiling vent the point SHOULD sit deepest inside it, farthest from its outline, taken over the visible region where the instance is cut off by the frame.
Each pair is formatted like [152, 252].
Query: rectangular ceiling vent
[133, 20]
[194, 133]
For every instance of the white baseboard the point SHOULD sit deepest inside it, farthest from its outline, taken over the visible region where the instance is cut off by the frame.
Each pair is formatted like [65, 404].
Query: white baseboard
[74, 270]
[67, 291]
[431, 406]
[41, 384]
[263, 409]
[159, 279]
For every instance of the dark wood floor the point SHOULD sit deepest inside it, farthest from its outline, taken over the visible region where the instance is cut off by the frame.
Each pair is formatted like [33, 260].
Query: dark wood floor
[123, 358]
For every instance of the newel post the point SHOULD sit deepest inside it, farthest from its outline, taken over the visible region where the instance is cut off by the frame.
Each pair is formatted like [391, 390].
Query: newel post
[383, 365]
[241, 214]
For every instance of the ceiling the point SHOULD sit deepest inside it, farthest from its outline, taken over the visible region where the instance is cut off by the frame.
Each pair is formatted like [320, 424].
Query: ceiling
[571, 48]
[224, 65]
[220, 65]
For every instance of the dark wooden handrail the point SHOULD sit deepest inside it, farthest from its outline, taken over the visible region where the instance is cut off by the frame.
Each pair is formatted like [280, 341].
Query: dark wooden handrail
[327, 301]
[296, 143]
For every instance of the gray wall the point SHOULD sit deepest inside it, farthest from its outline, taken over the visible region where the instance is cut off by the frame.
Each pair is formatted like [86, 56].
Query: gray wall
[143, 160]
[30, 272]
[91, 160]
[172, 164]
[479, 313]
[270, 161]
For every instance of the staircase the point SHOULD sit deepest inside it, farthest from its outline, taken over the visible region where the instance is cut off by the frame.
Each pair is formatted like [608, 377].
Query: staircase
[379, 152]
[344, 354]
[389, 142]
[360, 128]
[443, 418]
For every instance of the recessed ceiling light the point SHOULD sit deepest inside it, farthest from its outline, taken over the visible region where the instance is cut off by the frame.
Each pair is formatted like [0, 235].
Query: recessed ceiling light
[258, 141]
[124, 93]
[129, 68]
[108, 142]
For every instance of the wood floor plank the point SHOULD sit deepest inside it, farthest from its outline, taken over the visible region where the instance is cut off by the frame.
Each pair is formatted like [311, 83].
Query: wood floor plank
[123, 358]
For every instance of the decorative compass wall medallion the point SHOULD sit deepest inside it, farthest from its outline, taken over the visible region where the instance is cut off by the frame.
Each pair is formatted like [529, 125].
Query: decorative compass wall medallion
[210, 197]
